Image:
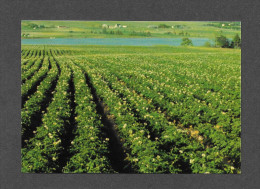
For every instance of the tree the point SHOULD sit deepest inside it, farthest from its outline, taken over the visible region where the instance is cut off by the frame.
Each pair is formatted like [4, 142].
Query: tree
[236, 41]
[32, 25]
[221, 41]
[163, 26]
[186, 42]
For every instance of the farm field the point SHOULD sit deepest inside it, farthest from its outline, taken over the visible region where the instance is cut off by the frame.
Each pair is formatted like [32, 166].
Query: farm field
[127, 29]
[113, 109]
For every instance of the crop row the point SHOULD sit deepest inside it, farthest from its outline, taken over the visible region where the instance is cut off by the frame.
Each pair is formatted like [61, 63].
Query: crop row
[225, 104]
[183, 95]
[45, 150]
[34, 68]
[33, 107]
[27, 54]
[218, 138]
[32, 83]
[28, 65]
[172, 114]
[88, 148]
[143, 145]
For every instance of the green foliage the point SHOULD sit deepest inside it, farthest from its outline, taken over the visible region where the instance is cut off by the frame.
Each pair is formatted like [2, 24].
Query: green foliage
[32, 106]
[173, 112]
[182, 33]
[225, 25]
[194, 29]
[104, 31]
[236, 42]
[221, 41]
[118, 32]
[32, 25]
[44, 150]
[186, 42]
[35, 26]
[179, 26]
[145, 34]
[112, 32]
[163, 26]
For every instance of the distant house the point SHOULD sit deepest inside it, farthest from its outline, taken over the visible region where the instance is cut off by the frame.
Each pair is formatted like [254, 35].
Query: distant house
[105, 26]
[112, 27]
[223, 25]
[118, 26]
[124, 26]
[152, 26]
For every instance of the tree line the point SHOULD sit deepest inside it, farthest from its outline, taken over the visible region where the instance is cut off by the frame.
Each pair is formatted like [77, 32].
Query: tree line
[223, 42]
[220, 41]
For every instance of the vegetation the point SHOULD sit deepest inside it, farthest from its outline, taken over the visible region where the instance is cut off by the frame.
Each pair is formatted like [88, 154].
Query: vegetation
[236, 42]
[105, 109]
[223, 42]
[186, 42]
[94, 29]
[147, 34]
[225, 25]
[207, 44]
[163, 26]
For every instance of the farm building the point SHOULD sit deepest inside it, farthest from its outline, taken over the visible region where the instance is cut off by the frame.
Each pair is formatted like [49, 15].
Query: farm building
[118, 26]
[112, 27]
[105, 26]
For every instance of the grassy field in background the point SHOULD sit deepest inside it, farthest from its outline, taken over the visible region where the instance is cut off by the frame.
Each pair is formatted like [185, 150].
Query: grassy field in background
[134, 29]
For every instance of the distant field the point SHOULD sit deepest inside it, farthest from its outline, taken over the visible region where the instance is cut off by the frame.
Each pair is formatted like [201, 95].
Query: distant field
[111, 109]
[93, 29]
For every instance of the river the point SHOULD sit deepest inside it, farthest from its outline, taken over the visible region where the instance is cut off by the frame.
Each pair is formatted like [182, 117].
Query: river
[114, 41]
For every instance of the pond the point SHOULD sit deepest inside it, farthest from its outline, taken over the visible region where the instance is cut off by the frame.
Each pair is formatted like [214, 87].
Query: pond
[114, 41]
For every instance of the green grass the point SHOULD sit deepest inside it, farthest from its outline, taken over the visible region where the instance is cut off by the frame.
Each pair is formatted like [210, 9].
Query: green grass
[93, 29]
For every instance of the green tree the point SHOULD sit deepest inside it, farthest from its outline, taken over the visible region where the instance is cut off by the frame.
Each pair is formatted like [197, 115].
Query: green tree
[32, 25]
[186, 42]
[236, 41]
[221, 41]
[163, 26]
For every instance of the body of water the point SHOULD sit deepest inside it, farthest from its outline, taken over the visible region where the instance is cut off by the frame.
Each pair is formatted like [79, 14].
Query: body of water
[114, 41]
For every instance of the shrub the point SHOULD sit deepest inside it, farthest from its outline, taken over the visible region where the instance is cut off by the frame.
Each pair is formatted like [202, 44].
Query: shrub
[163, 26]
[186, 42]
[221, 41]
[236, 41]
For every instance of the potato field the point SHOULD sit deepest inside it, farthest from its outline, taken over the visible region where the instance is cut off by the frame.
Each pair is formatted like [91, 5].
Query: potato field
[130, 110]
